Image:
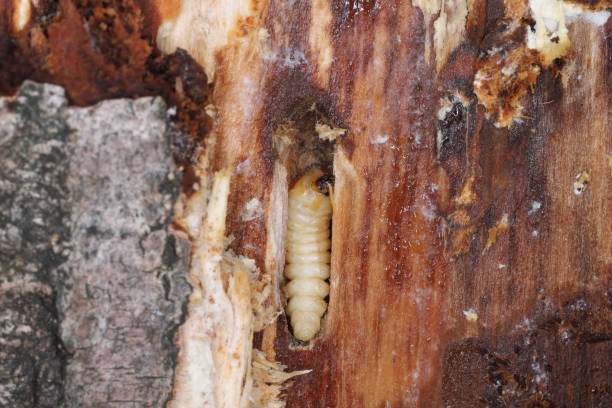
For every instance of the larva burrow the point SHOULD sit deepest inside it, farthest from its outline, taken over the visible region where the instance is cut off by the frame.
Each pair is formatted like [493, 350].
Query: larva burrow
[308, 255]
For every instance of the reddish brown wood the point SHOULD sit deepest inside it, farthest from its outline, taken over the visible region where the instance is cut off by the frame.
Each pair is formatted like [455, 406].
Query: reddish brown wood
[419, 236]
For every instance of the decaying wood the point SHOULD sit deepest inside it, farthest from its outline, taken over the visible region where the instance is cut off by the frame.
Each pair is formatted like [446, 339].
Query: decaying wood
[471, 235]
[466, 268]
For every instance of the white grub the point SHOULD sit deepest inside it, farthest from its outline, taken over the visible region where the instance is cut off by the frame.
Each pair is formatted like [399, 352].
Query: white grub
[470, 315]
[582, 180]
[308, 255]
[327, 132]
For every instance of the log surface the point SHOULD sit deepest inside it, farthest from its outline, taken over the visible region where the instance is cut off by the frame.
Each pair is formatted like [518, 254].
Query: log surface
[471, 257]
[472, 243]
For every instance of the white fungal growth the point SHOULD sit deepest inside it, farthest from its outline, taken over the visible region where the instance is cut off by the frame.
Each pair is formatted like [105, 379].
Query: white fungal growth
[470, 315]
[550, 34]
[308, 255]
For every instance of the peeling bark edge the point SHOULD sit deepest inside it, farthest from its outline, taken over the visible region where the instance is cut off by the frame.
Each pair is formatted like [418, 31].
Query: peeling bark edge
[82, 244]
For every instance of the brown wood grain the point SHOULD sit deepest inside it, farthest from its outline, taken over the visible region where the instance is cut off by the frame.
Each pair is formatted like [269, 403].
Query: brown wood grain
[416, 231]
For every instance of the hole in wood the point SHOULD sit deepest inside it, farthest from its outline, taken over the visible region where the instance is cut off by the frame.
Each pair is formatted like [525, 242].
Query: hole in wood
[304, 144]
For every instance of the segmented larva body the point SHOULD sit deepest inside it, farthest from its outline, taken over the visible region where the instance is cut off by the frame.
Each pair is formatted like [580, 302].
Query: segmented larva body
[308, 255]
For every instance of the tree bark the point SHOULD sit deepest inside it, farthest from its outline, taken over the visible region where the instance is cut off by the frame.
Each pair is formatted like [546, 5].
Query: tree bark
[471, 237]
[92, 283]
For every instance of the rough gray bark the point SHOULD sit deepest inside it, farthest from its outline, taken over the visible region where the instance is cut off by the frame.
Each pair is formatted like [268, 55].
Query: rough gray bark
[34, 230]
[92, 284]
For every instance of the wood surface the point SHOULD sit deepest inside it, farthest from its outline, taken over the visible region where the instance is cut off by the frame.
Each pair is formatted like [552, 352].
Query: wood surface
[466, 271]
[472, 232]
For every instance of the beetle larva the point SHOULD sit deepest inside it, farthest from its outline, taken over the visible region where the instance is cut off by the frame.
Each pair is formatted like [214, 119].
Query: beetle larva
[308, 256]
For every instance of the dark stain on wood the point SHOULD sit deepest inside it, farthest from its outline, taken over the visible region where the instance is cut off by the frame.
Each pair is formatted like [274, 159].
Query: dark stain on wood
[529, 365]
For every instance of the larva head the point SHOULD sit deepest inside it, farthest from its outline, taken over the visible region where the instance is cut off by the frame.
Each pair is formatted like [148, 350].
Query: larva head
[325, 183]
[310, 186]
